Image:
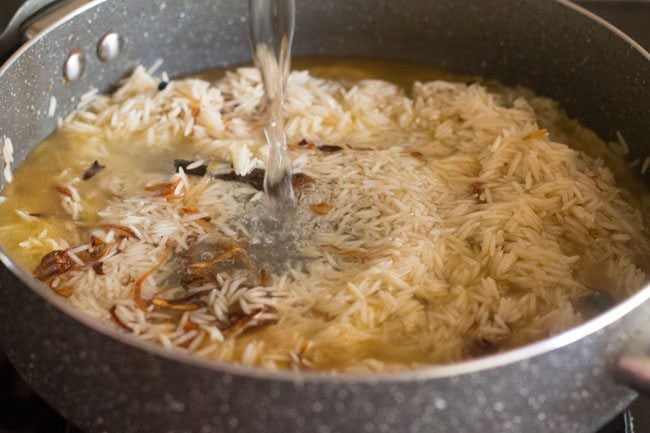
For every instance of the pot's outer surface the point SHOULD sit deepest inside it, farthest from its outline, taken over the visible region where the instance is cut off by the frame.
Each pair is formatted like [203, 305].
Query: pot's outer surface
[105, 385]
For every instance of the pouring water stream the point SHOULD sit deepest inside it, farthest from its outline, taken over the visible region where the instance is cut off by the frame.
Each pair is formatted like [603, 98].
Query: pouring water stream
[271, 29]
[273, 234]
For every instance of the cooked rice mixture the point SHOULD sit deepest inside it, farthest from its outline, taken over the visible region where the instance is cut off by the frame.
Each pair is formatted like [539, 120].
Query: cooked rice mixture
[434, 224]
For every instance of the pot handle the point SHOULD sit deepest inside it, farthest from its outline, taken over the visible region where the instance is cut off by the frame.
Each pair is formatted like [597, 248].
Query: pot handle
[634, 372]
[632, 366]
[15, 17]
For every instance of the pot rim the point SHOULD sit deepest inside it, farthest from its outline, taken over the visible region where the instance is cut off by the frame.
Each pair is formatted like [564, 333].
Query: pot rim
[501, 359]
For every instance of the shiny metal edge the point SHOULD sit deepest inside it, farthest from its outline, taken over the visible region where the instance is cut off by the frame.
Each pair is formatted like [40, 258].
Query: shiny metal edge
[429, 373]
[609, 26]
[46, 20]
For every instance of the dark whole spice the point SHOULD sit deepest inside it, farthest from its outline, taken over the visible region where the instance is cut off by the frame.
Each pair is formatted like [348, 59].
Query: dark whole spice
[329, 148]
[322, 147]
[255, 178]
[306, 144]
[54, 263]
[98, 267]
[195, 171]
[162, 85]
[95, 168]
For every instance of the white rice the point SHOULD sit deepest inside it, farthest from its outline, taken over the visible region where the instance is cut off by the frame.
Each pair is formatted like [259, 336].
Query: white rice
[196, 164]
[623, 143]
[646, 165]
[155, 66]
[51, 110]
[88, 97]
[450, 218]
[8, 158]
[25, 215]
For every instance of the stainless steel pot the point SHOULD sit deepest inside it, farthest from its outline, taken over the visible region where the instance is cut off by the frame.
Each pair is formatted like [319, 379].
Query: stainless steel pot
[105, 381]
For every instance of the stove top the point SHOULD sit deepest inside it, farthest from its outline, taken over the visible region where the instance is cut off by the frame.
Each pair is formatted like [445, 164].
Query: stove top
[22, 411]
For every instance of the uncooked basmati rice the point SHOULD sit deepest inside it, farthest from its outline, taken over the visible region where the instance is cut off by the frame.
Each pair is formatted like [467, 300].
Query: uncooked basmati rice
[646, 165]
[51, 110]
[448, 222]
[8, 158]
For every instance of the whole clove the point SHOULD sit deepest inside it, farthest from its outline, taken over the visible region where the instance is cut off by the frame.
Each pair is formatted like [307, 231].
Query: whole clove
[95, 168]
[329, 148]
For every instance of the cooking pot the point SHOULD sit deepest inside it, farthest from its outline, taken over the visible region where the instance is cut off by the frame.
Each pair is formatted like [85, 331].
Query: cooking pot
[106, 381]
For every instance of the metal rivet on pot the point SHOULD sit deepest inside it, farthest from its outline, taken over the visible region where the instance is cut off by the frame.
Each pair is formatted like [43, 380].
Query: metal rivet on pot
[74, 65]
[109, 46]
